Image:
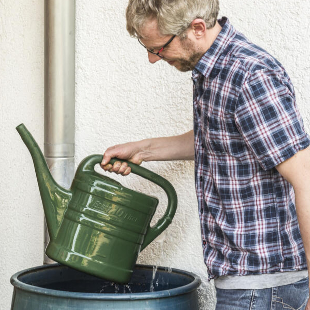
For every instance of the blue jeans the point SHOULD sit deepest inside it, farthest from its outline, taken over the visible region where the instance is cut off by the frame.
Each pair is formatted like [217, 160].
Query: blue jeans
[287, 297]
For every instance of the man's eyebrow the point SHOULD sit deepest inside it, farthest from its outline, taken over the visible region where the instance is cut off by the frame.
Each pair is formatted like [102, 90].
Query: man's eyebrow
[152, 47]
[155, 47]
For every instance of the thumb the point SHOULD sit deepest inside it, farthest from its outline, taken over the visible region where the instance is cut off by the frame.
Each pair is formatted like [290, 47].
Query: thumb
[105, 159]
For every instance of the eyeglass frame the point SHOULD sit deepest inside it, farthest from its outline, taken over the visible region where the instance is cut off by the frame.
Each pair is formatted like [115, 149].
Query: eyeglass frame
[160, 50]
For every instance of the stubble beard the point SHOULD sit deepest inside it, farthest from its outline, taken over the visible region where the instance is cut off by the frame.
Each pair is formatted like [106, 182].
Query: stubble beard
[189, 63]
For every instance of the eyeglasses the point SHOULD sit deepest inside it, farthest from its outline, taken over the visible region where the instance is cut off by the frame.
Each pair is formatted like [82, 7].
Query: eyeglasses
[160, 50]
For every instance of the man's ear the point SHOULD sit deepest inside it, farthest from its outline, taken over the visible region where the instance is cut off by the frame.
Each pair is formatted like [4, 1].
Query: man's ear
[198, 27]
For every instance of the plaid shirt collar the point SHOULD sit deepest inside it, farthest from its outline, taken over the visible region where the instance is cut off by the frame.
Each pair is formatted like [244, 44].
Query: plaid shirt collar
[208, 60]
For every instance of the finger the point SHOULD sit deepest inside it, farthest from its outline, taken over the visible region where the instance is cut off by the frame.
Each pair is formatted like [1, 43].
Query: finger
[106, 167]
[136, 160]
[122, 168]
[116, 166]
[127, 171]
[105, 160]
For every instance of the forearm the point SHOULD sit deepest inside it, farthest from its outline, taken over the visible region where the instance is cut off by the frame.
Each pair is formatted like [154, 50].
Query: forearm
[170, 148]
[156, 149]
[296, 170]
[302, 199]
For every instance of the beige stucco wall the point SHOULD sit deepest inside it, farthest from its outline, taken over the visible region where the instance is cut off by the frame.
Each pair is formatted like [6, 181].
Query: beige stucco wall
[120, 97]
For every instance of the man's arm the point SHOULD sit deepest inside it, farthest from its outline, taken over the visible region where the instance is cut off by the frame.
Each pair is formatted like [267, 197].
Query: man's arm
[296, 170]
[156, 149]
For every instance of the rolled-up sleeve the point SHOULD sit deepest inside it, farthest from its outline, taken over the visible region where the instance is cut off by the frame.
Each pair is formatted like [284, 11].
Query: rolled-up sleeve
[268, 119]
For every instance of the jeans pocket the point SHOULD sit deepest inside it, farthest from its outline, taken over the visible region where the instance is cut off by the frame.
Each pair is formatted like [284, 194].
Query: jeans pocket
[301, 284]
[293, 296]
[230, 299]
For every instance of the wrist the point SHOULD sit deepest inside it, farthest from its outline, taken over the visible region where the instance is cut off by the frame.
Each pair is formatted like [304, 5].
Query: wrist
[145, 150]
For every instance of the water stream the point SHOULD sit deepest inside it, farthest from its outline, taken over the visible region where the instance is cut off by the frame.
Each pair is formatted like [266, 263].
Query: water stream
[160, 241]
[153, 277]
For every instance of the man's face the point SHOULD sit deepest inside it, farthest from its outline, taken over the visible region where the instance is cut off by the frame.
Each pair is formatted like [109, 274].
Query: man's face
[182, 54]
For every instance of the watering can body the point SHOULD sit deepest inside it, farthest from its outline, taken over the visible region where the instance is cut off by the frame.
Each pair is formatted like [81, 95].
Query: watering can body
[98, 226]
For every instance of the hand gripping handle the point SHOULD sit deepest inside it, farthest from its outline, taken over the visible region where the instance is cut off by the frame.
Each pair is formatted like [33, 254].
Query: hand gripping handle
[89, 163]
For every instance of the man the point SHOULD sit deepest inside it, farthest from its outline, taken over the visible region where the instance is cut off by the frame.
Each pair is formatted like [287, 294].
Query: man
[250, 149]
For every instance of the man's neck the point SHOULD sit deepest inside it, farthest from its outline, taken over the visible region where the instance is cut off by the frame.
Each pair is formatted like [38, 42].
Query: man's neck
[211, 35]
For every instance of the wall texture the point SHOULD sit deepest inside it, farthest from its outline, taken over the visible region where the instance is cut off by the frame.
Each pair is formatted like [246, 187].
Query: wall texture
[120, 97]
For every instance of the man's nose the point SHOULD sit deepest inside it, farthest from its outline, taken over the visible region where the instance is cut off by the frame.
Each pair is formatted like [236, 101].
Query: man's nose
[153, 58]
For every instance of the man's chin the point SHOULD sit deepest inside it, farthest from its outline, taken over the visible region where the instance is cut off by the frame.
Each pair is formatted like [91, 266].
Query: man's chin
[182, 69]
[180, 66]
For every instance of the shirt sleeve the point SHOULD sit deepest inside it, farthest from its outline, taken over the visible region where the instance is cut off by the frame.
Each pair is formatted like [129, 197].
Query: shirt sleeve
[268, 119]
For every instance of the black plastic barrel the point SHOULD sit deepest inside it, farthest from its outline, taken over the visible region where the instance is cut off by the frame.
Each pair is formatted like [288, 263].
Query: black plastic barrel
[62, 288]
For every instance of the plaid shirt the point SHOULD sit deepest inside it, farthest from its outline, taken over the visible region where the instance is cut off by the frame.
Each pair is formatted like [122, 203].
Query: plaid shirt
[245, 122]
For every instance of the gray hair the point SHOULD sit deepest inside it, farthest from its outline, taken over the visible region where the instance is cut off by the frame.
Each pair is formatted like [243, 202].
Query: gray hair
[173, 16]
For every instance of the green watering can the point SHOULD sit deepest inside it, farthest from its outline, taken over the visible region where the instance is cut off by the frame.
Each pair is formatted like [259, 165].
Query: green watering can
[98, 226]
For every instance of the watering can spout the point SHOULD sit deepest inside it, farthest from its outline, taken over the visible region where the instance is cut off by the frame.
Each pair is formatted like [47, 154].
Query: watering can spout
[55, 198]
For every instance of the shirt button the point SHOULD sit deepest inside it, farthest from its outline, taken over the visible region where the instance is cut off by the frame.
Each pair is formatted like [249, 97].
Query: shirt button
[204, 242]
[198, 111]
[202, 145]
[201, 178]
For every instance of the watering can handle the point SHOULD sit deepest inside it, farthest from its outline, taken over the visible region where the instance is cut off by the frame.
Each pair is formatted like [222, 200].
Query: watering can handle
[152, 232]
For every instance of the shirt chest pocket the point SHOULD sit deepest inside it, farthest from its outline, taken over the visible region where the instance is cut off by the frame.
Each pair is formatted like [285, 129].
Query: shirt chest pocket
[227, 152]
[222, 138]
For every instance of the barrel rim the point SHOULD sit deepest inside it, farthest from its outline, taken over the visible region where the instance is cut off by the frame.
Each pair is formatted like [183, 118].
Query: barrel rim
[109, 296]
